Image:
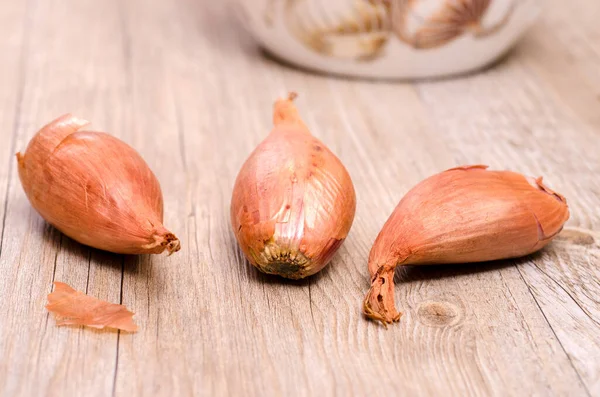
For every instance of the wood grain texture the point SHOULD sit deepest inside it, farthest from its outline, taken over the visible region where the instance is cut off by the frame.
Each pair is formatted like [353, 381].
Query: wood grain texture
[189, 89]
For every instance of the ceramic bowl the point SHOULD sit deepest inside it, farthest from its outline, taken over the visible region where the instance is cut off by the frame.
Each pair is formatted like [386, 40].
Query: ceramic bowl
[389, 38]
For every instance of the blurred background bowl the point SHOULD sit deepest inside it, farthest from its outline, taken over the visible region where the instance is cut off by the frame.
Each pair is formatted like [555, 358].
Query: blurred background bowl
[389, 38]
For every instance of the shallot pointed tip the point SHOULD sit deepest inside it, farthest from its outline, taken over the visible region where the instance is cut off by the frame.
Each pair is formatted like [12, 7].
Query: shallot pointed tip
[539, 184]
[286, 112]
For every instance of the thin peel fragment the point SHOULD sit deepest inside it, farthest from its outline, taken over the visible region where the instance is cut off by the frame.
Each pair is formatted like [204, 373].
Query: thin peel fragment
[72, 307]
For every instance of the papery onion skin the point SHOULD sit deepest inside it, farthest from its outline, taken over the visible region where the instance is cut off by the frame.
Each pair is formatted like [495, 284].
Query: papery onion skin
[465, 214]
[293, 202]
[95, 189]
[72, 307]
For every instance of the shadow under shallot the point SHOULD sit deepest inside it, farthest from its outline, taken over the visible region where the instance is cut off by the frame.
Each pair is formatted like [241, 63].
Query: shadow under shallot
[435, 272]
[94, 330]
[256, 275]
[86, 255]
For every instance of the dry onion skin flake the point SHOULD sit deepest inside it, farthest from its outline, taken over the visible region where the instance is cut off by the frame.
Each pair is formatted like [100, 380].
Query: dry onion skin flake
[72, 307]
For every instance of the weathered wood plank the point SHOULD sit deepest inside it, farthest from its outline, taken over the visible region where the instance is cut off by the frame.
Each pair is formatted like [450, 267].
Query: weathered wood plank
[14, 28]
[192, 92]
[563, 52]
[71, 66]
[512, 119]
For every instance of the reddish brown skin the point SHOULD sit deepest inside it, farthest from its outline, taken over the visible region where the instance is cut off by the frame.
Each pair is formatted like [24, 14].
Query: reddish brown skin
[465, 214]
[95, 189]
[72, 307]
[293, 195]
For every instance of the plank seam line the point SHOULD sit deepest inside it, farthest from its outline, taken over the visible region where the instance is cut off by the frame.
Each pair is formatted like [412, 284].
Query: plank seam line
[114, 388]
[310, 303]
[87, 281]
[25, 44]
[60, 237]
[126, 42]
[553, 332]
[569, 295]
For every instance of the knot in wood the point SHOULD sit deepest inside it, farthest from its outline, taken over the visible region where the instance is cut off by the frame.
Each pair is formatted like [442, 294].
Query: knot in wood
[438, 314]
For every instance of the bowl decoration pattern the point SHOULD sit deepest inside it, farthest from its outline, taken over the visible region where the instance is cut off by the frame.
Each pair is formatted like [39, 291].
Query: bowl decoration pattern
[389, 38]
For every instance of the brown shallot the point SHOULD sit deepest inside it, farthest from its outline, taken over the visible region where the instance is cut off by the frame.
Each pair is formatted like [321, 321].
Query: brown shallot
[465, 214]
[72, 307]
[293, 201]
[95, 189]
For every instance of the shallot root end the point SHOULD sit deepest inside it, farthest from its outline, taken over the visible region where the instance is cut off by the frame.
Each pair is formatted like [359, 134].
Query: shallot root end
[173, 244]
[284, 262]
[379, 302]
[163, 240]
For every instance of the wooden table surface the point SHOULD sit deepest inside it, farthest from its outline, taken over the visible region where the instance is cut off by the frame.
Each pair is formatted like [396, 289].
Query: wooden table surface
[192, 92]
